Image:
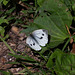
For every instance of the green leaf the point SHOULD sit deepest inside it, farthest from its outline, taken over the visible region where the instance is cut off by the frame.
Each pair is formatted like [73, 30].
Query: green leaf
[6, 36]
[10, 10]
[39, 2]
[54, 18]
[6, 21]
[18, 21]
[73, 7]
[1, 1]
[30, 29]
[50, 63]
[13, 62]
[1, 12]
[2, 30]
[23, 57]
[24, 11]
[3, 20]
[5, 73]
[68, 3]
[10, 18]
[5, 2]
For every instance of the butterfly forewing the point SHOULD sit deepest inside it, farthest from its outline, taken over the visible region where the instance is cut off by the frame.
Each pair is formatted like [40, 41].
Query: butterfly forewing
[41, 36]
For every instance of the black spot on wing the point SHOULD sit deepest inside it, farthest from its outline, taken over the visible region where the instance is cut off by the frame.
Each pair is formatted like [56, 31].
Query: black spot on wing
[41, 37]
[45, 31]
[33, 43]
[42, 34]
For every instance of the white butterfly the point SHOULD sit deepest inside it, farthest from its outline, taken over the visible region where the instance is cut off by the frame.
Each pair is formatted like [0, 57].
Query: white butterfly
[37, 39]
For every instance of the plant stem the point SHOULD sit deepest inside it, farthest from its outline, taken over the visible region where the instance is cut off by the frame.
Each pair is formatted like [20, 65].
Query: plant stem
[67, 43]
[42, 56]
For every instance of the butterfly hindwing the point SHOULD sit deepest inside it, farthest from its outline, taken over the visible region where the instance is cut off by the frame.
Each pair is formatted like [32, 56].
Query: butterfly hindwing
[32, 43]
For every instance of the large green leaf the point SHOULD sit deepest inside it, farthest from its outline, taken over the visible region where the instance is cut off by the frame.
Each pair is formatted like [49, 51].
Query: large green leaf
[54, 17]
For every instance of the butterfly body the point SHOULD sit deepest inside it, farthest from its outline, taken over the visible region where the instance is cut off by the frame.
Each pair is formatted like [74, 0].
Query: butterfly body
[37, 38]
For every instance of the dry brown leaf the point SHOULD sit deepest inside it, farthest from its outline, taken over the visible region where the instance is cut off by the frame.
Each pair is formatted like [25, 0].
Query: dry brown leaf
[15, 30]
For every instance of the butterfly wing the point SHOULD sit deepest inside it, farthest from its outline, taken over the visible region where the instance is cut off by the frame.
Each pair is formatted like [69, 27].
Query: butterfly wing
[32, 43]
[41, 36]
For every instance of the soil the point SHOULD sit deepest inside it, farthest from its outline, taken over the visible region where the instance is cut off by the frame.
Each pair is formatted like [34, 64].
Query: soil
[17, 42]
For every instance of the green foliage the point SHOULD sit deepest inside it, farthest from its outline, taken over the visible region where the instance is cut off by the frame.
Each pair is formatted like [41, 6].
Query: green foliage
[6, 73]
[4, 2]
[27, 58]
[39, 2]
[3, 20]
[2, 31]
[52, 15]
[73, 7]
[54, 18]
[62, 63]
